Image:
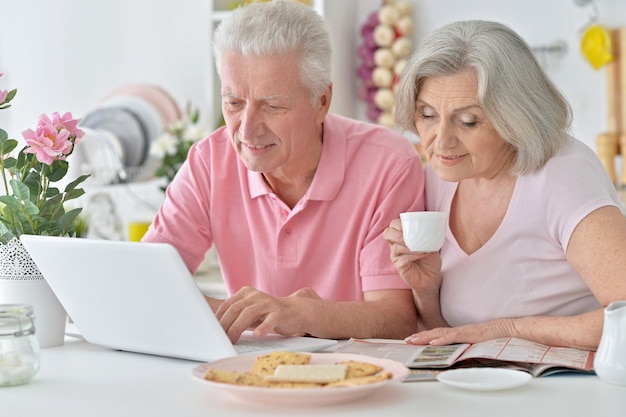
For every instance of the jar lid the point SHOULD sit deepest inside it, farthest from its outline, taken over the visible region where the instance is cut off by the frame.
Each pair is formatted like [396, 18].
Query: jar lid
[16, 320]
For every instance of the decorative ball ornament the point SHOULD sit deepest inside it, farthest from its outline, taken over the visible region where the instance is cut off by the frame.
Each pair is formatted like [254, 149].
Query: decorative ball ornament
[383, 57]
[384, 99]
[383, 53]
[401, 47]
[382, 77]
[399, 67]
[384, 35]
[388, 15]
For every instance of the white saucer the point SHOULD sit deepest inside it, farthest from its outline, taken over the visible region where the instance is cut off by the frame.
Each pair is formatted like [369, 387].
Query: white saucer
[484, 379]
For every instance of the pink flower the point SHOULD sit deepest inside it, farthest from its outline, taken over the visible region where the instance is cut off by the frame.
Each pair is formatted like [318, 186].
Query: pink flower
[3, 93]
[69, 123]
[51, 140]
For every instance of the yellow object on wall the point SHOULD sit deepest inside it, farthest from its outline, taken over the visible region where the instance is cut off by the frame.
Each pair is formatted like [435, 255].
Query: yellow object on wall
[596, 46]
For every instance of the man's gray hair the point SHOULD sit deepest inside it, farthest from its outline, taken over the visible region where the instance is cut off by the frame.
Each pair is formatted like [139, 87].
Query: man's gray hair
[276, 28]
[519, 99]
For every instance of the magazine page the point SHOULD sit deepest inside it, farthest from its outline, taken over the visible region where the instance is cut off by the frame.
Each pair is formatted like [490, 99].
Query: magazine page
[525, 351]
[533, 357]
[413, 356]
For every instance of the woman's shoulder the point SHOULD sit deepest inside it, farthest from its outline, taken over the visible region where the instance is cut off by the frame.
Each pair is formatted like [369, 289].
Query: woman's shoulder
[574, 160]
[574, 175]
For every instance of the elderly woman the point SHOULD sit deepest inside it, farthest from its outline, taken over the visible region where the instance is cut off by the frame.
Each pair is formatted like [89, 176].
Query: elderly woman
[536, 242]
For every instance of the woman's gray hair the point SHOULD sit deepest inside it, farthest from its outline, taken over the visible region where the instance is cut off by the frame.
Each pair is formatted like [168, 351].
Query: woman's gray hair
[519, 99]
[277, 28]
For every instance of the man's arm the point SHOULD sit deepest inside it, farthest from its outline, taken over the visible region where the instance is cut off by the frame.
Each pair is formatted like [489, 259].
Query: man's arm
[383, 314]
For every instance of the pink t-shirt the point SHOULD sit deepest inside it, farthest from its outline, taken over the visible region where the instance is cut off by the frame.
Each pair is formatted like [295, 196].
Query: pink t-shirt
[522, 270]
[331, 241]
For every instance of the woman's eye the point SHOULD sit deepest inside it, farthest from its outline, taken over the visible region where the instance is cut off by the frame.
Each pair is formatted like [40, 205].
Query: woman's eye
[468, 121]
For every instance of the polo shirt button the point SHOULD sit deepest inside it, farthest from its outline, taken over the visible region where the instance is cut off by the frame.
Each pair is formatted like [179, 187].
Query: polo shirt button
[287, 232]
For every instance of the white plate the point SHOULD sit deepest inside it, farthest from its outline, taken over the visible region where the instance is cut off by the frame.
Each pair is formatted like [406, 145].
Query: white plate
[299, 396]
[484, 379]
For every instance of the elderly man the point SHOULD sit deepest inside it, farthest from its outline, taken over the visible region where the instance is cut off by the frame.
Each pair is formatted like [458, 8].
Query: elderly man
[294, 199]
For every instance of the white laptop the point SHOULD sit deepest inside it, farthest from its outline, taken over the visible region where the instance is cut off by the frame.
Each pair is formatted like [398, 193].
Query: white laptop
[140, 297]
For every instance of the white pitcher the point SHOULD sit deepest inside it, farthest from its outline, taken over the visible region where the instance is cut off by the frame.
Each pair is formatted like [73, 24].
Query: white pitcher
[610, 359]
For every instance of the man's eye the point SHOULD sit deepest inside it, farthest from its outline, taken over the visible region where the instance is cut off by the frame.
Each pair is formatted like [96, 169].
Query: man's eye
[232, 103]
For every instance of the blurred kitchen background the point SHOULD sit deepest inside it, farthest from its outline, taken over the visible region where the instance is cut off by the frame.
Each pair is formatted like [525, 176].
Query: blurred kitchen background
[71, 55]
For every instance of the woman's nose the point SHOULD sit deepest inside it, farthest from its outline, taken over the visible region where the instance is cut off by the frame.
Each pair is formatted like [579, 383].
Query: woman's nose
[445, 136]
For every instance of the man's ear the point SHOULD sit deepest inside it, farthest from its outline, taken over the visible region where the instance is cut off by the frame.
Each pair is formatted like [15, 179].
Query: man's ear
[323, 103]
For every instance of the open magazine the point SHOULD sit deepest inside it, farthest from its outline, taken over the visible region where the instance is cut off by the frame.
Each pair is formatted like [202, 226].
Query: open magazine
[534, 358]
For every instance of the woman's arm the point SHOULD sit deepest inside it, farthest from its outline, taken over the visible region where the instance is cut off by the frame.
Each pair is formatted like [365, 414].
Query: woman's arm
[597, 250]
[421, 272]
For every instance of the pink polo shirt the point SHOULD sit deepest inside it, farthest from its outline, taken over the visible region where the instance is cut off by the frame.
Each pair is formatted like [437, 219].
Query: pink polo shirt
[331, 241]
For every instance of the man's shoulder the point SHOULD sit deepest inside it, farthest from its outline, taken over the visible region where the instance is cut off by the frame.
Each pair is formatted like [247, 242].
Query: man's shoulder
[353, 130]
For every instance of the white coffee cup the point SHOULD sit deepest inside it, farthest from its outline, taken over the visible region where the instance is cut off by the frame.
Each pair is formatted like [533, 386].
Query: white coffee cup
[424, 231]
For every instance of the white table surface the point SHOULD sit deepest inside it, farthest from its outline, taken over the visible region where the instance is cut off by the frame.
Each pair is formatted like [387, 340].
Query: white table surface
[80, 379]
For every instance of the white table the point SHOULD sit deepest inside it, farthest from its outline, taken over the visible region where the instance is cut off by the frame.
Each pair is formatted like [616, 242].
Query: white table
[84, 380]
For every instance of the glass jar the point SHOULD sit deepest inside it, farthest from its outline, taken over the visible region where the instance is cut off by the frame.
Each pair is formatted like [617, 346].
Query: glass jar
[19, 348]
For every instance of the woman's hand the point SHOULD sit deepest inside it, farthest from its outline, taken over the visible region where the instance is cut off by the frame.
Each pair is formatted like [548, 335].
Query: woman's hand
[420, 270]
[422, 273]
[471, 333]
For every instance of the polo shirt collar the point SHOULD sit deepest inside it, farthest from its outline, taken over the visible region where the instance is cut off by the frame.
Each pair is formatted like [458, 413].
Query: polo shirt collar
[330, 170]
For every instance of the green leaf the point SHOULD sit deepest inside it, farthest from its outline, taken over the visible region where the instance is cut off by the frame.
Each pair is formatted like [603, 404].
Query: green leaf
[23, 159]
[66, 221]
[33, 182]
[5, 234]
[9, 163]
[6, 145]
[20, 190]
[52, 191]
[30, 208]
[10, 95]
[72, 185]
[52, 208]
[72, 194]
[11, 202]
[56, 171]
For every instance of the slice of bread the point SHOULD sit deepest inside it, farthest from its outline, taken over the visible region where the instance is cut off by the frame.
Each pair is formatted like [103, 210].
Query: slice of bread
[322, 374]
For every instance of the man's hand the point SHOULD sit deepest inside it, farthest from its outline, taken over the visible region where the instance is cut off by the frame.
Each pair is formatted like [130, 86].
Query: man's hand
[253, 309]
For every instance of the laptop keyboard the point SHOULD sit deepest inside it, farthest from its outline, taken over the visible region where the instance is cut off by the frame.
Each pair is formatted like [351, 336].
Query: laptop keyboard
[251, 346]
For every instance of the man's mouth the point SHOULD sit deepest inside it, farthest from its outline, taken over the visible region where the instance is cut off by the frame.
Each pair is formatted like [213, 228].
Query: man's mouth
[255, 146]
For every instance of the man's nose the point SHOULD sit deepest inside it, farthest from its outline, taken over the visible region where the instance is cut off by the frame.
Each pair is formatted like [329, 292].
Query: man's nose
[250, 123]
